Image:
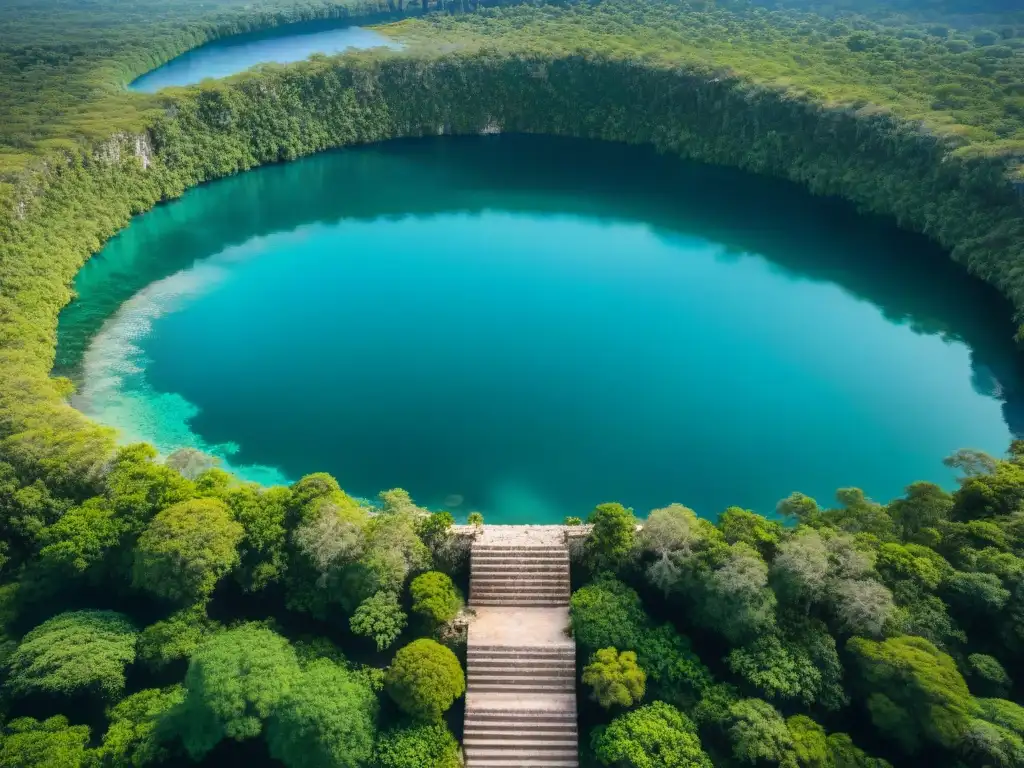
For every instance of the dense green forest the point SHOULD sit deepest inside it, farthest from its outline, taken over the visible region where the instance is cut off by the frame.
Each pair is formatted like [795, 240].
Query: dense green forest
[158, 612]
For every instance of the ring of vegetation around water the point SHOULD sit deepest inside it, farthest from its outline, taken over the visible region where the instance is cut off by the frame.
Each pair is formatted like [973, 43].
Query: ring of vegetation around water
[915, 114]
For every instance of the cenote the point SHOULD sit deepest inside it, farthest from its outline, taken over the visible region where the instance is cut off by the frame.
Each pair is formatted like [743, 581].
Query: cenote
[528, 326]
[237, 53]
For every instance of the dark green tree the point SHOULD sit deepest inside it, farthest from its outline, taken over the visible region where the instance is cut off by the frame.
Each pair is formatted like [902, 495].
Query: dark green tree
[611, 540]
[325, 720]
[186, 549]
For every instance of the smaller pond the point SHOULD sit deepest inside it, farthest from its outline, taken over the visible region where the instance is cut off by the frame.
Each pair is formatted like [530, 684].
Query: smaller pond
[231, 55]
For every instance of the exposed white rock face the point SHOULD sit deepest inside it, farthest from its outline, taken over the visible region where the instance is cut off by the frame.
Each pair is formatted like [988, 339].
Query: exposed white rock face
[491, 128]
[122, 145]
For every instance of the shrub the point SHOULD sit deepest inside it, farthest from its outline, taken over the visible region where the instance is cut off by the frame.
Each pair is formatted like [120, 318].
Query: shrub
[425, 679]
[379, 617]
[435, 598]
[418, 746]
[615, 677]
[655, 736]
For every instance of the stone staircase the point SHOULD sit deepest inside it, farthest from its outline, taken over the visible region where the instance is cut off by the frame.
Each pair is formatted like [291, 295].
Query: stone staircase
[524, 575]
[521, 690]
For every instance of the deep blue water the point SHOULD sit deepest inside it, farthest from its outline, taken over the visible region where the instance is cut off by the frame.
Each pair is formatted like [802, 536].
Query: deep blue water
[529, 326]
[282, 45]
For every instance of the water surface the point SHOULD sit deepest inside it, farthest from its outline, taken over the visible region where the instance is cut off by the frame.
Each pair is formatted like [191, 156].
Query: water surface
[529, 326]
[281, 45]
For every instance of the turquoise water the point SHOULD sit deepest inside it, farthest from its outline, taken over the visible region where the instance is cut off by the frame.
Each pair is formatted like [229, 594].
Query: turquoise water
[529, 326]
[231, 55]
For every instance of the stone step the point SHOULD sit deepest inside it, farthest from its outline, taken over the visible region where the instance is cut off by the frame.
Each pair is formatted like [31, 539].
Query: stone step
[520, 762]
[521, 588]
[545, 588]
[552, 599]
[520, 685]
[526, 571]
[527, 548]
[482, 676]
[559, 584]
[499, 758]
[511, 564]
[559, 649]
[522, 718]
[513, 727]
[516, 577]
[513, 747]
[540, 558]
[485, 663]
[513, 743]
[513, 603]
[536, 557]
[512, 731]
[506, 603]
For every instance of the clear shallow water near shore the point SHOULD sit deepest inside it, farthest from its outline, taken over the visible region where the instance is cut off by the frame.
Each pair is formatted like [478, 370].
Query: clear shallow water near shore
[281, 45]
[529, 326]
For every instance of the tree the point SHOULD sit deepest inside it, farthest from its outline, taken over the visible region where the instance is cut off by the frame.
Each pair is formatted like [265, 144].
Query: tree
[738, 524]
[262, 515]
[675, 673]
[82, 537]
[862, 606]
[136, 735]
[670, 537]
[138, 487]
[74, 653]
[234, 681]
[925, 505]
[976, 594]
[606, 613]
[809, 743]
[655, 736]
[857, 514]
[416, 746]
[325, 720]
[915, 693]
[379, 617]
[758, 733]
[186, 549]
[735, 599]
[800, 569]
[425, 679]
[52, 743]
[435, 528]
[986, 676]
[778, 670]
[988, 490]
[616, 678]
[435, 598]
[611, 540]
[845, 754]
[176, 637]
[800, 507]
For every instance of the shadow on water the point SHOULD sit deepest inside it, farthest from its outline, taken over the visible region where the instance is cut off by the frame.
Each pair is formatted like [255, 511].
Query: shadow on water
[911, 280]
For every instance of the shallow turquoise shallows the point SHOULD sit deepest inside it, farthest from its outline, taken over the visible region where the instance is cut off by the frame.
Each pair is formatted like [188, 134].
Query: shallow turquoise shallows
[528, 326]
[282, 45]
